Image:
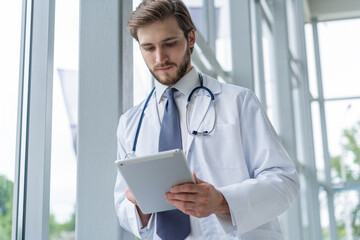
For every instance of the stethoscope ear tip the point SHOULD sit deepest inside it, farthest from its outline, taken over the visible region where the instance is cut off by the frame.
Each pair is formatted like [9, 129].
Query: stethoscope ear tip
[194, 132]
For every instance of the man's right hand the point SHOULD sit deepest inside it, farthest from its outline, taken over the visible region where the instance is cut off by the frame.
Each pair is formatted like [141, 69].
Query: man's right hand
[143, 217]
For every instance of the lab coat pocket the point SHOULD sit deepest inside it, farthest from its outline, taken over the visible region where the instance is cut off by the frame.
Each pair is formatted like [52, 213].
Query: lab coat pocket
[223, 147]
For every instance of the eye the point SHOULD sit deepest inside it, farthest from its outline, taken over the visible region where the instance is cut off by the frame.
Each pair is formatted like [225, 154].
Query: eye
[171, 44]
[149, 49]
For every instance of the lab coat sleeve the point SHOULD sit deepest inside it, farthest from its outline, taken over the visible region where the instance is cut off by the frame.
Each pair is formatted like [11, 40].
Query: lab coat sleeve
[273, 182]
[126, 211]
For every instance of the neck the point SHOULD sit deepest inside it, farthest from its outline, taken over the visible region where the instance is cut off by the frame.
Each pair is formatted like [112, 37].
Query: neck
[187, 71]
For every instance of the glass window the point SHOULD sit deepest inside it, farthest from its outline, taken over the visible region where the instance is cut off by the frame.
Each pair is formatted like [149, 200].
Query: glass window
[347, 213]
[343, 126]
[311, 60]
[223, 34]
[339, 54]
[292, 27]
[10, 25]
[324, 213]
[269, 69]
[340, 57]
[318, 141]
[64, 121]
[197, 14]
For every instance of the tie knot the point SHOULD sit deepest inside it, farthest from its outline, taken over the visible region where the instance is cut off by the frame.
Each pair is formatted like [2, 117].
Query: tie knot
[170, 92]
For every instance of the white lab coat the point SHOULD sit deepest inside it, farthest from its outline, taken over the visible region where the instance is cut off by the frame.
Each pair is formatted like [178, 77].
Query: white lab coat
[243, 158]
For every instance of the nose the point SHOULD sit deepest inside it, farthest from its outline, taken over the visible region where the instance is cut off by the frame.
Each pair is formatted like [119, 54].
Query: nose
[161, 55]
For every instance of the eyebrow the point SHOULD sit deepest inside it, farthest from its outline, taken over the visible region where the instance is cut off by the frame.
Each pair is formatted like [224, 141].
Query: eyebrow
[164, 40]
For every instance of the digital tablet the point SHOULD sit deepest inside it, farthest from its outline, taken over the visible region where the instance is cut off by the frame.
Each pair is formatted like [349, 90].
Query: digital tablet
[150, 177]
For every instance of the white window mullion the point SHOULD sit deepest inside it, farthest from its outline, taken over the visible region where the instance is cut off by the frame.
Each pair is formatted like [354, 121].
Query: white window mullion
[284, 110]
[32, 181]
[330, 192]
[305, 132]
[21, 138]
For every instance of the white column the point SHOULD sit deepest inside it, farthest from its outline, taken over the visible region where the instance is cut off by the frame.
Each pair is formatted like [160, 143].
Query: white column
[241, 44]
[284, 109]
[105, 90]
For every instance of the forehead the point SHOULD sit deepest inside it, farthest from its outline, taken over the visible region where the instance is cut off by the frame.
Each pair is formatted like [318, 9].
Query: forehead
[159, 30]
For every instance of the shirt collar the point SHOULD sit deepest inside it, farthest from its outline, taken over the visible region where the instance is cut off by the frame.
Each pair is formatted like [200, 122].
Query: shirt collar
[185, 85]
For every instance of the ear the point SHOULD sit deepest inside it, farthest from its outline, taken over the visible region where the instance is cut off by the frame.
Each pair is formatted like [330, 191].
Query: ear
[191, 38]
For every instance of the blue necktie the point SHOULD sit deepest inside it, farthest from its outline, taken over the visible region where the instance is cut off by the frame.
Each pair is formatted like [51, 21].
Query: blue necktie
[172, 224]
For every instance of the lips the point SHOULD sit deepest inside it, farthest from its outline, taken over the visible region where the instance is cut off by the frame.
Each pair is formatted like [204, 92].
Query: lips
[163, 69]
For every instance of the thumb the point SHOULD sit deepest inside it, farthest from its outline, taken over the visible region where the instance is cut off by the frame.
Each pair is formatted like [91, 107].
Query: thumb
[197, 180]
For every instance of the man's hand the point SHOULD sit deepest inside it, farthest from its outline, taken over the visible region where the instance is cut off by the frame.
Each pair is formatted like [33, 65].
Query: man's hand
[130, 196]
[143, 217]
[199, 200]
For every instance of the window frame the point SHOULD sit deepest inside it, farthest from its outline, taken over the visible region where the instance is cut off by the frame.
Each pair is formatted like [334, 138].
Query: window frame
[328, 186]
[32, 173]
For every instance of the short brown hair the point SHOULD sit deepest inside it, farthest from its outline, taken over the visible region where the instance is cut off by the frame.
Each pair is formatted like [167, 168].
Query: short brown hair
[150, 11]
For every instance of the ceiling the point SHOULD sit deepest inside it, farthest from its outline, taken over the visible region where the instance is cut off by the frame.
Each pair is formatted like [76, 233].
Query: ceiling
[327, 10]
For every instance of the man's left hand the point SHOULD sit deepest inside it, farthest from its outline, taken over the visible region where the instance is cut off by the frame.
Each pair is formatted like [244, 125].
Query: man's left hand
[199, 200]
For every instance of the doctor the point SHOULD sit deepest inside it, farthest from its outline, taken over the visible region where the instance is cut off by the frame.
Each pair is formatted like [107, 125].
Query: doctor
[244, 177]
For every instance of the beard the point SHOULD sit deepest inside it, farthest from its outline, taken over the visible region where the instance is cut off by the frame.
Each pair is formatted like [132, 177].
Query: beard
[171, 81]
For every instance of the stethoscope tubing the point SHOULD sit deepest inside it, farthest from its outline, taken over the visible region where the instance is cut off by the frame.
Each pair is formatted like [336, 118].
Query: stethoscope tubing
[132, 154]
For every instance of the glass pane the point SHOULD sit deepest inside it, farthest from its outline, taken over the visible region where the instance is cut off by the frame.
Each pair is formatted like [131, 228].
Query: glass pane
[197, 14]
[223, 34]
[292, 28]
[309, 38]
[324, 214]
[10, 25]
[269, 70]
[64, 125]
[343, 126]
[340, 57]
[318, 141]
[347, 213]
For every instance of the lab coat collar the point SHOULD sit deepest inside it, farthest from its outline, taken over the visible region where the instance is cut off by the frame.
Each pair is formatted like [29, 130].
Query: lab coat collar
[212, 84]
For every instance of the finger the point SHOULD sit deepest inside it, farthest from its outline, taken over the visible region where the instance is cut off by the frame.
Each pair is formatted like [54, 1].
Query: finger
[197, 180]
[188, 197]
[185, 188]
[130, 196]
[183, 206]
[195, 213]
[190, 212]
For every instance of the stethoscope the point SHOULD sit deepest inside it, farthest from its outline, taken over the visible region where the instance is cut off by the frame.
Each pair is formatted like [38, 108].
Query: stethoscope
[194, 132]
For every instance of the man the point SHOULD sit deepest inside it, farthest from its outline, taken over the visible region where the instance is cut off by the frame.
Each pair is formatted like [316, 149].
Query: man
[244, 177]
